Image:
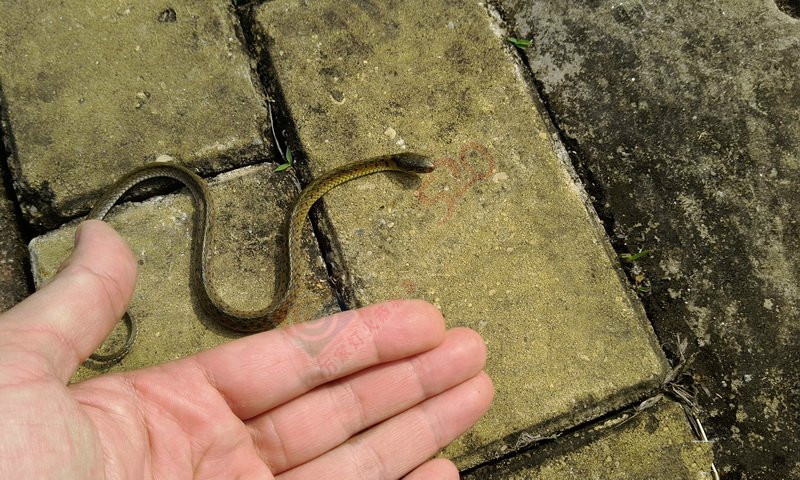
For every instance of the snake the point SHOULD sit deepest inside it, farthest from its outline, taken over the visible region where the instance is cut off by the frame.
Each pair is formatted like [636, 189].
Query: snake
[211, 303]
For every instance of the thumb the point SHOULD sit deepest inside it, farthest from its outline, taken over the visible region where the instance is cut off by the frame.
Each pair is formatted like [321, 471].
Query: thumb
[65, 321]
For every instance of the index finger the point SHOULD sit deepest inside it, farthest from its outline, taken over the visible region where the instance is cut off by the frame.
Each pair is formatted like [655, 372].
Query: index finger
[262, 371]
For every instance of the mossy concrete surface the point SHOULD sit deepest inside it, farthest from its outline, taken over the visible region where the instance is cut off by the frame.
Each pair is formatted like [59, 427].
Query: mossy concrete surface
[686, 119]
[645, 446]
[93, 89]
[499, 237]
[246, 246]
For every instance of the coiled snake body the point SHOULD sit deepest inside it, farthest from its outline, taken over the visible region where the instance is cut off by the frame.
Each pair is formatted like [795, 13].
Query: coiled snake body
[213, 305]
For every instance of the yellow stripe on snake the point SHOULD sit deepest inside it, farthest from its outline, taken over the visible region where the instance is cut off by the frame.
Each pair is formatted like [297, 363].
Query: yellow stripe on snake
[217, 309]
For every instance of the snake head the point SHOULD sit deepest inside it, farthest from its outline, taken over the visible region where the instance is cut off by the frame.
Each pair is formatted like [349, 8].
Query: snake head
[413, 162]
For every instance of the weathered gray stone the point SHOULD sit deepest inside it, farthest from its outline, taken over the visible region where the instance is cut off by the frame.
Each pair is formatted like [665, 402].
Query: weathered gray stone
[251, 206]
[686, 117]
[500, 237]
[92, 90]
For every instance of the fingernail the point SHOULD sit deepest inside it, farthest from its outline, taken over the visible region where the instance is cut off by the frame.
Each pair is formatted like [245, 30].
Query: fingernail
[78, 234]
[77, 240]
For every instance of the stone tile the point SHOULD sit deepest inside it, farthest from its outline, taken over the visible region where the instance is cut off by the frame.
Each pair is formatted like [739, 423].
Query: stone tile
[251, 205]
[93, 90]
[657, 444]
[500, 238]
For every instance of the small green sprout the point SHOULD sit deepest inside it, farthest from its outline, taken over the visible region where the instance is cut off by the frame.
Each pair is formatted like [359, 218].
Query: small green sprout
[632, 257]
[520, 43]
[287, 164]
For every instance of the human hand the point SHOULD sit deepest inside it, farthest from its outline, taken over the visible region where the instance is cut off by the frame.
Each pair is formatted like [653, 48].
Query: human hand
[257, 407]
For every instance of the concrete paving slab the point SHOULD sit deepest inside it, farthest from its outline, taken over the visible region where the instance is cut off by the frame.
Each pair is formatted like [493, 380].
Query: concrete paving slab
[251, 205]
[93, 90]
[685, 117]
[499, 238]
[656, 444]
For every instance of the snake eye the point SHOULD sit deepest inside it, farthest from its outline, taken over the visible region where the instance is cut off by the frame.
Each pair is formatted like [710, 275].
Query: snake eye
[414, 162]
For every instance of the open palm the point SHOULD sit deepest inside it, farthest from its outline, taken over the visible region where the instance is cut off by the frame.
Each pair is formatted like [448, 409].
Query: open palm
[264, 406]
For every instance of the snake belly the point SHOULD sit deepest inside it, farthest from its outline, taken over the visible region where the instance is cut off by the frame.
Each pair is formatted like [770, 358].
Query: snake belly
[214, 306]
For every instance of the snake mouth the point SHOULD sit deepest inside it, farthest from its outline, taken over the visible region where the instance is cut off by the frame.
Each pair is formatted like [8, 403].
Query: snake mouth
[414, 162]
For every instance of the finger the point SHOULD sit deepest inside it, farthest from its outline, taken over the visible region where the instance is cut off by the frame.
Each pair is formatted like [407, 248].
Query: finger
[312, 424]
[438, 468]
[65, 321]
[262, 371]
[422, 431]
